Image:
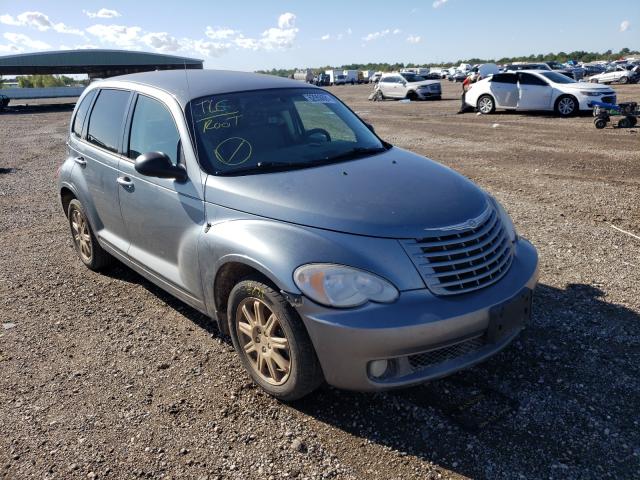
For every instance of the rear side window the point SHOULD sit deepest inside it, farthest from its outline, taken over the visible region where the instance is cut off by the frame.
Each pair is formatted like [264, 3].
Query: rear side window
[78, 120]
[153, 130]
[504, 78]
[107, 116]
[528, 79]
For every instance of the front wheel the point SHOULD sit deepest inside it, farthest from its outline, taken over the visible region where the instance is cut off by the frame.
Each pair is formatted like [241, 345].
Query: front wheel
[271, 340]
[566, 106]
[600, 123]
[624, 80]
[486, 105]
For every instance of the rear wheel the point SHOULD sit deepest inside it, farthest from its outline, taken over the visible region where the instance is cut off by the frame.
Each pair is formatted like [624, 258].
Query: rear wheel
[633, 120]
[271, 340]
[624, 80]
[566, 106]
[486, 104]
[624, 122]
[88, 248]
[413, 96]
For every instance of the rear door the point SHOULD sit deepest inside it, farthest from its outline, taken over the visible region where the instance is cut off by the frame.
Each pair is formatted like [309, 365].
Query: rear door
[504, 88]
[534, 92]
[97, 157]
[164, 217]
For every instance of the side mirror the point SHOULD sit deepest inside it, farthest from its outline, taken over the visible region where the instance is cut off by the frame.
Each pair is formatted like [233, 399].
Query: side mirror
[370, 127]
[158, 164]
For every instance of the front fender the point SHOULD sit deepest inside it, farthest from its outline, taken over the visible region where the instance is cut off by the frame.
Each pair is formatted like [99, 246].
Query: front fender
[276, 249]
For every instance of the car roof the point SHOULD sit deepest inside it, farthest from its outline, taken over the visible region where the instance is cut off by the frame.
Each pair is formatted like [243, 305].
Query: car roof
[185, 85]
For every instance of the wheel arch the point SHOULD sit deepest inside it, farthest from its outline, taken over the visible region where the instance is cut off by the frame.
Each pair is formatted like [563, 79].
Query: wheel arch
[66, 195]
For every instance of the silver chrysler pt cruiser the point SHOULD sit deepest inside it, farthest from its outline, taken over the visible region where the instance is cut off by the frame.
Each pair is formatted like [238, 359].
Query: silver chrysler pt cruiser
[325, 253]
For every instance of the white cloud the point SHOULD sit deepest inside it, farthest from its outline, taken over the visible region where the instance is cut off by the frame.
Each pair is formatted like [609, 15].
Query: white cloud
[397, 31]
[102, 13]
[161, 41]
[39, 21]
[286, 20]
[220, 33]
[205, 48]
[376, 35]
[325, 37]
[21, 40]
[349, 31]
[414, 39]
[439, 3]
[10, 48]
[624, 26]
[119, 35]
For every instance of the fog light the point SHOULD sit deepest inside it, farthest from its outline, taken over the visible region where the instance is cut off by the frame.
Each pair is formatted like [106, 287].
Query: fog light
[378, 368]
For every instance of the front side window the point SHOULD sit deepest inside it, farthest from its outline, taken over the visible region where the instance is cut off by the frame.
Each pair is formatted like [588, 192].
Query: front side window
[280, 129]
[153, 130]
[557, 77]
[107, 117]
[81, 114]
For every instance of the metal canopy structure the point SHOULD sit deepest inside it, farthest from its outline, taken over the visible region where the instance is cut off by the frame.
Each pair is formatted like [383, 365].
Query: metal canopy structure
[93, 62]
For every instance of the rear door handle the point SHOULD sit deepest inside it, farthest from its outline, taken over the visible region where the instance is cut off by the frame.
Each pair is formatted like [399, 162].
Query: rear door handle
[80, 161]
[125, 181]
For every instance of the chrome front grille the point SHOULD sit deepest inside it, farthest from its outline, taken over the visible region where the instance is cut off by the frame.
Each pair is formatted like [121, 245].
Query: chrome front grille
[463, 258]
[431, 358]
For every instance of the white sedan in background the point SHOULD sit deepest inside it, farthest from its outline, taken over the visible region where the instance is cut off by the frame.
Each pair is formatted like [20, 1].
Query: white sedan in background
[536, 90]
[618, 73]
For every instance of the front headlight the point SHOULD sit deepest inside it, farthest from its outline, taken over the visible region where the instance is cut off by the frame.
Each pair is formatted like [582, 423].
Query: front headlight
[506, 220]
[341, 286]
[590, 94]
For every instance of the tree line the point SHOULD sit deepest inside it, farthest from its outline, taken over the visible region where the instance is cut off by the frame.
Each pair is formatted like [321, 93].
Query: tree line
[578, 56]
[42, 81]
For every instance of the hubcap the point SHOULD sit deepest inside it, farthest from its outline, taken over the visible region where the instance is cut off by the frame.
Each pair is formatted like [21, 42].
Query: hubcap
[263, 341]
[566, 106]
[81, 235]
[485, 105]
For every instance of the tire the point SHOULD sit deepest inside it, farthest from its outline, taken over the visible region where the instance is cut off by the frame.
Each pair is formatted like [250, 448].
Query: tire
[594, 80]
[624, 122]
[302, 374]
[566, 106]
[89, 250]
[633, 120]
[413, 96]
[486, 104]
[600, 123]
[624, 80]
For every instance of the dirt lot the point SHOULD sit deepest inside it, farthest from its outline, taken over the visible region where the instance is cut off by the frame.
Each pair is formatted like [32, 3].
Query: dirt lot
[106, 376]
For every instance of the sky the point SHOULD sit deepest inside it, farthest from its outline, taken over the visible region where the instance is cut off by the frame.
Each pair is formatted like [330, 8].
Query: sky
[251, 34]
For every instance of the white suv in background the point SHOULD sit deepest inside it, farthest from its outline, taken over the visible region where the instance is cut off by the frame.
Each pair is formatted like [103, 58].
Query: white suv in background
[408, 85]
[536, 90]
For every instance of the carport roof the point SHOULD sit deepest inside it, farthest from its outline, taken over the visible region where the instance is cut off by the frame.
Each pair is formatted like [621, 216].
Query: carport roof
[91, 61]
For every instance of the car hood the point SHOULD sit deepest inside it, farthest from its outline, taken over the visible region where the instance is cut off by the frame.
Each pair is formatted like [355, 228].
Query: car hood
[395, 194]
[592, 87]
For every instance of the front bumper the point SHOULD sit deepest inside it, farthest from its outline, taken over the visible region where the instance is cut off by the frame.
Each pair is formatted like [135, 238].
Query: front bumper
[418, 323]
[586, 101]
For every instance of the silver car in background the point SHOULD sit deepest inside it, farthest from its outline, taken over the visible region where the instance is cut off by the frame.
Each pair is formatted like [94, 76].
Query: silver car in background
[324, 252]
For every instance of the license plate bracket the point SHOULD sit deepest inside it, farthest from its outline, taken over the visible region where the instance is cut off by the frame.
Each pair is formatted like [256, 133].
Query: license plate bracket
[509, 316]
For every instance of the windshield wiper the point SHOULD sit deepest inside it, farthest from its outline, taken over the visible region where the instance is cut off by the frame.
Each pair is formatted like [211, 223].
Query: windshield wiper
[356, 152]
[260, 167]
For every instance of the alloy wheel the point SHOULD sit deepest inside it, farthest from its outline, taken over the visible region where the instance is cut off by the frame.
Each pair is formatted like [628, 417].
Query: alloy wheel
[263, 341]
[81, 234]
[485, 105]
[566, 106]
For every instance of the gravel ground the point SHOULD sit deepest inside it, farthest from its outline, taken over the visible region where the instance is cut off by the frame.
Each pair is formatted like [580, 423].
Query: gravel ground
[106, 376]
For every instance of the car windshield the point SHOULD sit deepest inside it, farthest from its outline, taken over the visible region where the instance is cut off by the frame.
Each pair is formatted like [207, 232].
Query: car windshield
[556, 77]
[273, 130]
[412, 77]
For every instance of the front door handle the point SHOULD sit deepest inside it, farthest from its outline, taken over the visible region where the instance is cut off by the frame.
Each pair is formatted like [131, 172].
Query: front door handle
[125, 181]
[80, 161]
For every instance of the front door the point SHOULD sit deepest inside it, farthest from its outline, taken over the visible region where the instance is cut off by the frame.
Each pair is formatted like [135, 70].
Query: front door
[164, 217]
[535, 93]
